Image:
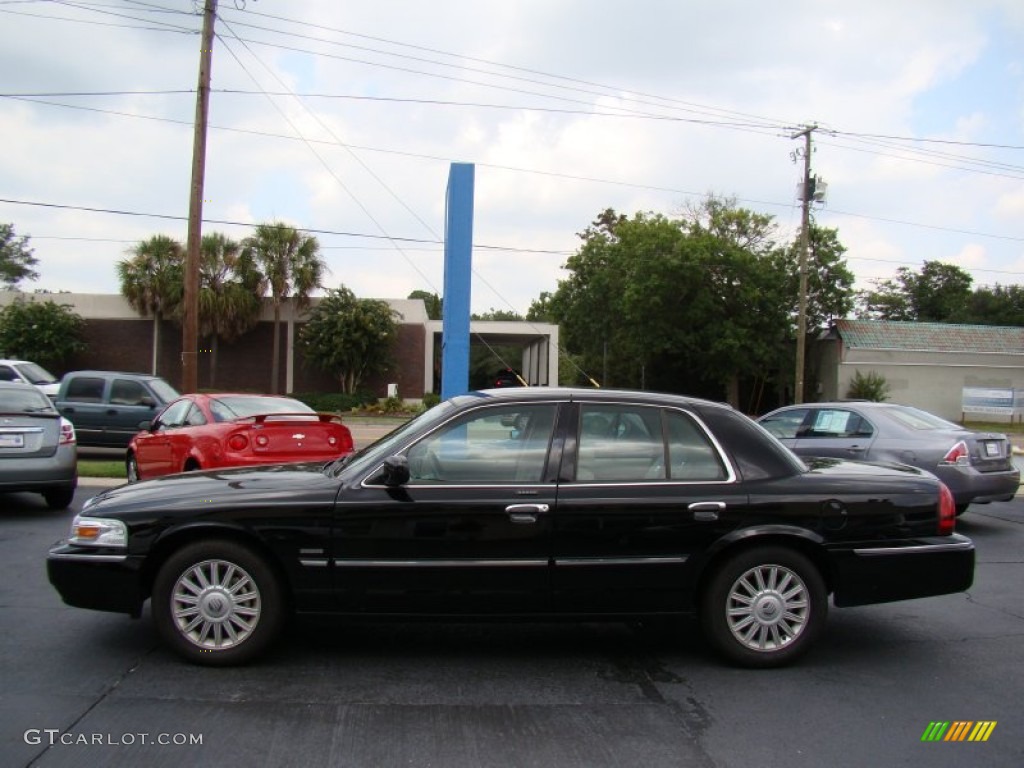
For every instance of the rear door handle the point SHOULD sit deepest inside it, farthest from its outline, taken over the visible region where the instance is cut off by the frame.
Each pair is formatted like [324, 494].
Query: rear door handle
[706, 511]
[525, 513]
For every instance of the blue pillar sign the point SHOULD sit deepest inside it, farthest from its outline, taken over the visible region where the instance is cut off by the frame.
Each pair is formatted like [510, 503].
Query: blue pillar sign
[458, 266]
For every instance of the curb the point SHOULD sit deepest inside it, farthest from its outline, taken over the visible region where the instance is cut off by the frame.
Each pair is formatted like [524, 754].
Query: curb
[101, 482]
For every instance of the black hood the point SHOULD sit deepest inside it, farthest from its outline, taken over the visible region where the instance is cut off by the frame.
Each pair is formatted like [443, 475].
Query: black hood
[218, 488]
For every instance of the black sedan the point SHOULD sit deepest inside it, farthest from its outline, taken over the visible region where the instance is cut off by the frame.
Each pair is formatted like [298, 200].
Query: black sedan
[523, 503]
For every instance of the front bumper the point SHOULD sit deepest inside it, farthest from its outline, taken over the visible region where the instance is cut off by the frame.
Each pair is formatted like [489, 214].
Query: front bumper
[101, 580]
[939, 565]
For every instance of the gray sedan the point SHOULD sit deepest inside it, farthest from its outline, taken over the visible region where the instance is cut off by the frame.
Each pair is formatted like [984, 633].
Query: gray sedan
[976, 466]
[37, 446]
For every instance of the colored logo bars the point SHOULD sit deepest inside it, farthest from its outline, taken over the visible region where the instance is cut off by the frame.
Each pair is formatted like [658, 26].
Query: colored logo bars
[960, 730]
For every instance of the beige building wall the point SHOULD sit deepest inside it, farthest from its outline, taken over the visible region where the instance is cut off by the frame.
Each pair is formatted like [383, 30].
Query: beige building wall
[933, 381]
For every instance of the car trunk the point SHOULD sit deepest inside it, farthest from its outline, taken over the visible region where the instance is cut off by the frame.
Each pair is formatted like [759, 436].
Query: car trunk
[990, 452]
[283, 437]
[27, 437]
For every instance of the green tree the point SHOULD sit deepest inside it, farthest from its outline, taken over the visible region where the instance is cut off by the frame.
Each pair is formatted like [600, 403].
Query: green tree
[289, 264]
[938, 293]
[152, 280]
[680, 305]
[432, 302]
[16, 259]
[498, 314]
[42, 331]
[540, 309]
[350, 338]
[229, 294]
[999, 305]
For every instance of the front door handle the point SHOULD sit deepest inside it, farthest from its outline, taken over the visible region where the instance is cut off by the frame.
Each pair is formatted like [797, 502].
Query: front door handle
[525, 513]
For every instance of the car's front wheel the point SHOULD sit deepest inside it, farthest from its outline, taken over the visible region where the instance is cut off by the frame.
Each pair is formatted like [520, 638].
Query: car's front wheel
[217, 603]
[764, 607]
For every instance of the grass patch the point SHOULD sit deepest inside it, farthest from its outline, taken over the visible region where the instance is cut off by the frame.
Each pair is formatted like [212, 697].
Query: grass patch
[1016, 428]
[101, 468]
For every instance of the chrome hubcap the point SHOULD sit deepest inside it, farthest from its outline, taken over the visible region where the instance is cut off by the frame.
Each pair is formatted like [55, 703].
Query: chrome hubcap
[215, 604]
[767, 608]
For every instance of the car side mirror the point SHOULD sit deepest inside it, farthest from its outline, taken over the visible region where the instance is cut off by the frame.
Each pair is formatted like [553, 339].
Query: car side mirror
[395, 471]
[149, 426]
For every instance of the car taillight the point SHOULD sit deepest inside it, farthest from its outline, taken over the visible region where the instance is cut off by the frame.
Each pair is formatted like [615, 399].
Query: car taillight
[237, 442]
[262, 441]
[947, 511]
[958, 454]
[332, 440]
[67, 432]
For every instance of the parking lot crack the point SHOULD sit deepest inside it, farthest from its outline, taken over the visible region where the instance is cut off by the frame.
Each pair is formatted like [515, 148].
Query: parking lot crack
[104, 694]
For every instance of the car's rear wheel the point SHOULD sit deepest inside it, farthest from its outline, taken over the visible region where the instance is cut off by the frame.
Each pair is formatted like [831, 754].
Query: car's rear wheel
[59, 498]
[131, 466]
[961, 508]
[764, 607]
[217, 603]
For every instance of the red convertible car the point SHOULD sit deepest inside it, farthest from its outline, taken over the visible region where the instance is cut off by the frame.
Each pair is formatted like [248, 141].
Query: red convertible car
[234, 430]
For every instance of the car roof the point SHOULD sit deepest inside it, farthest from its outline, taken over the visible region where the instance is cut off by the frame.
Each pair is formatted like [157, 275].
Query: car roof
[114, 373]
[580, 394]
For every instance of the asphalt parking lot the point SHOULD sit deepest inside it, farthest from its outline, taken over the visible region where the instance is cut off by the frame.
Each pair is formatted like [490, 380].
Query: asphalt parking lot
[84, 688]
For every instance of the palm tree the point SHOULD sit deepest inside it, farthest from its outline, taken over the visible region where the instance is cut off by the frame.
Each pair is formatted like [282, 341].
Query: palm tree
[153, 281]
[289, 264]
[229, 294]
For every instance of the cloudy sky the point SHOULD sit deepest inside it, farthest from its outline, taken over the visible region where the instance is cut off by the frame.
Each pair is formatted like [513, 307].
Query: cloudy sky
[344, 117]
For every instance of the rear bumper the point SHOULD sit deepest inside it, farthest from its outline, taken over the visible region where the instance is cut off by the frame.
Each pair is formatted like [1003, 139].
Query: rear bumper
[98, 580]
[971, 486]
[939, 565]
[40, 472]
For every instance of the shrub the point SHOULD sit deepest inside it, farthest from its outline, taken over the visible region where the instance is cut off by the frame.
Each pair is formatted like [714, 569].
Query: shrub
[334, 402]
[871, 386]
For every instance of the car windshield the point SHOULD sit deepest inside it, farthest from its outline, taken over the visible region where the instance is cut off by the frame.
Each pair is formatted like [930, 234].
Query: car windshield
[246, 406]
[24, 399]
[915, 418]
[36, 374]
[377, 451]
[163, 390]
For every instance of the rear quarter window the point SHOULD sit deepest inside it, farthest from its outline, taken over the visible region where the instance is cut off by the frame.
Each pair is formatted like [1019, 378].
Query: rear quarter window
[755, 453]
[85, 389]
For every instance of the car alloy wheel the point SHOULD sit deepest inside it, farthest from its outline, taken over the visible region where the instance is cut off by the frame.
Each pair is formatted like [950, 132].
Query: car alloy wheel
[217, 603]
[765, 606]
[132, 468]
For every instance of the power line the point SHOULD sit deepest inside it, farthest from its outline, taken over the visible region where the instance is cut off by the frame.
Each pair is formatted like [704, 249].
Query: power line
[519, 169]
[228, 222]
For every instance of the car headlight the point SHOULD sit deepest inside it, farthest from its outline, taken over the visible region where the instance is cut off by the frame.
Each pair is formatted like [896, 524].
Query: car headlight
[98, 532]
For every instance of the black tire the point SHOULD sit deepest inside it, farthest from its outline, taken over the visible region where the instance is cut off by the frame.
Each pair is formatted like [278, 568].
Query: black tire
[227, 630]
[59, 498]
[766, 624]
[961, 508]
[131, 468]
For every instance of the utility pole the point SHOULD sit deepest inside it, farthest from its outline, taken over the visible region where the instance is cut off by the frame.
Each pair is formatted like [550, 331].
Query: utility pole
[190, 323]
[801, 315]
